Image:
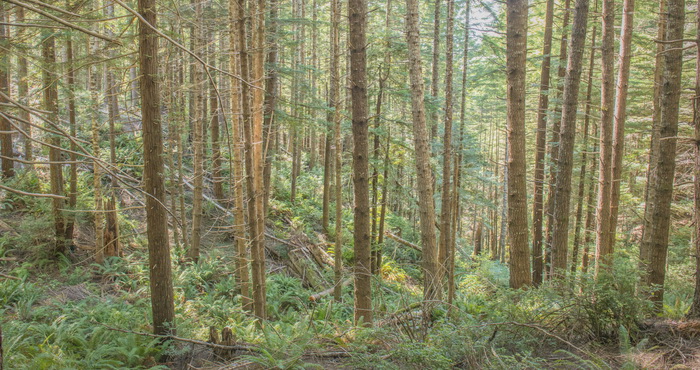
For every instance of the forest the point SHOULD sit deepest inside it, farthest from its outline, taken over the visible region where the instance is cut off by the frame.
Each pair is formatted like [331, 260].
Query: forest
[349, 184]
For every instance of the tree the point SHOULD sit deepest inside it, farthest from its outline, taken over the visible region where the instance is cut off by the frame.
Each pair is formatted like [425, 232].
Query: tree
[540, 142]
[6, 163]
[656, 226]
[357, 42]
[237, 108]
[198, 136]
[562, 195]
[694, 311]
[446, 212]
[162, 304]
[424, 172]
[620, 115]
[603, 247]
[516, 54]
[338, 144]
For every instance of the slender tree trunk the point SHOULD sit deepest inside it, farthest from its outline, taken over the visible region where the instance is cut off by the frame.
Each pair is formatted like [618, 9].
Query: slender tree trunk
[258, 161]
[456, 204]
[70, 80]
[434, 79]
[424, 173]
[6, 162]
[540, 143]
[162, 305]
[271, 88]
[618, 149]
[214, 127]
[657, 225]
[607, 99]
[694, 311]
[654, 146]
[554, 143]
[55, 168]
[584, 156]
[357, 42]
[197, 136]
[516, 47]
[335, 102]
[238, 115]
[446, 212]
[96, 149]
[567, 135]
[589, 231]
[23, 91]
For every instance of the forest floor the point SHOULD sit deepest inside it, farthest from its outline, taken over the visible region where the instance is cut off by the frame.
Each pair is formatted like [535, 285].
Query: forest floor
[55, 305]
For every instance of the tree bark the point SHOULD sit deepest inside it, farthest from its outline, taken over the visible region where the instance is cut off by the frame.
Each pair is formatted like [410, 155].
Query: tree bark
[540, 144]
[516, 54]
[446, 211]
[657, 225]
[338, 147]
[162, 305]
[197, 135]
[567, 135]
[603, 248]
[424, 173]
[694, 311]
[618, 149]
[23, 90]
[238, 115]
[6, 162]
[357, 41]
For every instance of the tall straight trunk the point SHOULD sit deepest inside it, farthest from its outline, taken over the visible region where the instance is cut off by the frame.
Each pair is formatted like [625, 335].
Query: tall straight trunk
[338, 144]
[504, 212]
[197, 136]
[516, 53]
[456, 204]
[589, 233]
[554, 143]
[607, 99]
[95, 121]
[70, 80]
[618, 148]
[584, 155]
[694, 311]
[255, 150]
[382, 212]
[436, 70]
[23, 90]
[214, 127]
[55, 168]
[237, 118]
[540, 144]
[162, 305]
[446, 211]
[657, 225]
[493, 233]
[173, 135]
[357, 43]
[6, 162]
[384, 72]
[567, 135]
[424, 173]
[271, 88]
[654, 145]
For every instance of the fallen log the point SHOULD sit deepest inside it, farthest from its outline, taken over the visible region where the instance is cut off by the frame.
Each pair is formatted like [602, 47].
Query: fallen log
[319, 295]
[402, 241]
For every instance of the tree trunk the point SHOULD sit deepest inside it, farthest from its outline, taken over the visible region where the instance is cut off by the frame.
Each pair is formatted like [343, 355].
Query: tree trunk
[96, 149]
[162, 305]
[694, 311]
[657, 225]
[357, 43]
[271, 87]
[567, 135]
[516, 50]
[23, 91]
[555, 141]
[618, 149]
[336, 118]
[446, 211]
[654, 145]
[237, 118]
[424, 173]
[6, 162]
[607, 99]
[584, 156]
[540, 143]
[436, 69]
[70, 80]
[197, 136]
